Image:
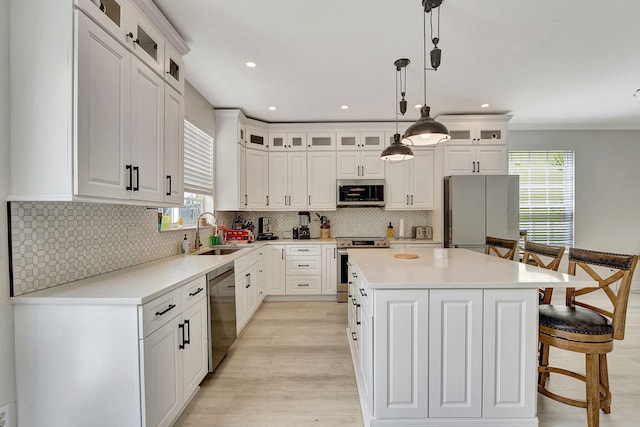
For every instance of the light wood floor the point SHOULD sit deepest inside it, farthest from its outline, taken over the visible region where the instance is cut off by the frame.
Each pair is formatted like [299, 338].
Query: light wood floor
[291, 367]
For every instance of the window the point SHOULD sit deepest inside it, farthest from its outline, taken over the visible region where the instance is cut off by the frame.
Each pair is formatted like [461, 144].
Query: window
[198, 177]
[546, 194]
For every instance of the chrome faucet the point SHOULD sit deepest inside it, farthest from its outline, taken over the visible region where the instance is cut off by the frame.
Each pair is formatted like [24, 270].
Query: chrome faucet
[198, 243]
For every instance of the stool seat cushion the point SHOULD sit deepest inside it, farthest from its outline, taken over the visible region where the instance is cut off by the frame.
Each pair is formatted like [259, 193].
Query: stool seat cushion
[574, 319]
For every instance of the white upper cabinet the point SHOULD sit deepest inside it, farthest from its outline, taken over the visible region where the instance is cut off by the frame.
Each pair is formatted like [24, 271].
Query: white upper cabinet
[287, 141]
[287, 180]
[103, 112]
[410, 183]
[147, 134]
[257, 179]
[98, 102]
[173, 68]
[147, 42]
[257, 138]
[359, 165]
[173, 146]
[478, 144]
[319, 141]
[487, 129]
[230, 187]
[360, 141]
[321, 180]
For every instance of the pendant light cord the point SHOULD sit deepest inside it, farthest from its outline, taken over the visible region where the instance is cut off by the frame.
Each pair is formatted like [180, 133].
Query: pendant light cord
[396, 108]
[424, 55]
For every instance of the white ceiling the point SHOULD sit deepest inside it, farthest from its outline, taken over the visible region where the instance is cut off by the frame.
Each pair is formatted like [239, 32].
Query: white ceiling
[552, 64]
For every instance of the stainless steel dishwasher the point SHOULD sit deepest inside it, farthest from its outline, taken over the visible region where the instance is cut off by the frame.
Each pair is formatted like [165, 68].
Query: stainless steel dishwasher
[222, 313]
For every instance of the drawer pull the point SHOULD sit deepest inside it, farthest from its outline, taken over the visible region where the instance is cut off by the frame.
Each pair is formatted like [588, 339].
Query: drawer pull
[362, 292]
[303, 250]
[353, 335]
[303, 284]
[165, 311]
[193, 294]
[303, 265]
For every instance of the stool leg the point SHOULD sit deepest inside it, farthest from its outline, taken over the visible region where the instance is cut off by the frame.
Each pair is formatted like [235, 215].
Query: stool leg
[543, 360]
[604, 379]
[593, 393]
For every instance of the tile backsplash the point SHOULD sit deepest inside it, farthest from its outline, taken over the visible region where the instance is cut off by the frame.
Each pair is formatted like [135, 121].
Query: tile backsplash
[58, 242]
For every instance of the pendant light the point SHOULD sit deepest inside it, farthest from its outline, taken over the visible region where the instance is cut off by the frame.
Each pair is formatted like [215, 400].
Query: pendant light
[397, 151]
[427, 131]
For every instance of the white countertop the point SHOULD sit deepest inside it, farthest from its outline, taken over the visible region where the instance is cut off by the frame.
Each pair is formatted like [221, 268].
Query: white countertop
[462, 269]
[142, 283]
[133, 285]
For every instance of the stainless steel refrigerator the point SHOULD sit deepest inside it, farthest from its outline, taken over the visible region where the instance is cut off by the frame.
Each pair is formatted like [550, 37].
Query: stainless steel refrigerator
[476, 206]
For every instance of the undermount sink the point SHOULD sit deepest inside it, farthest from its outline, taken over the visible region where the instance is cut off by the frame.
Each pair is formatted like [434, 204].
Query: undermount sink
[220, 251]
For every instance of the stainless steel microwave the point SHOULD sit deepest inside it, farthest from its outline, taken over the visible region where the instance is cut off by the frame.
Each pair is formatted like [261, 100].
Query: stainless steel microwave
[360, 192]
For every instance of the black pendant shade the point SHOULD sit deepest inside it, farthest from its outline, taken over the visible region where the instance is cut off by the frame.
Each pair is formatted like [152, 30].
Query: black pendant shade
[397, 151]
[426, 131]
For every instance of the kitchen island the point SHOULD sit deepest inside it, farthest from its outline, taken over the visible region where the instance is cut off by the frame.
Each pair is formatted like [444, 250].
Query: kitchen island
[448, 338]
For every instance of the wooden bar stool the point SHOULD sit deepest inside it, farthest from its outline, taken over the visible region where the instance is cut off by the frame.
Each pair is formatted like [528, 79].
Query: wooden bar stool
[504, 248]
[585, 328]
[543, 256]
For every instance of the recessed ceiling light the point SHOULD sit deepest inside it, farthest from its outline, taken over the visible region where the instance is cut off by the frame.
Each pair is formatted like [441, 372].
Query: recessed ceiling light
[272, 108]
[345, 107]
[418, 106]
[251, 64]
[484, 105]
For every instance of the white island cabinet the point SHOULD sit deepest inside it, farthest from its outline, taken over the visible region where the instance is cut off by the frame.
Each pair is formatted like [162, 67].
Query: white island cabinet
[448, 340]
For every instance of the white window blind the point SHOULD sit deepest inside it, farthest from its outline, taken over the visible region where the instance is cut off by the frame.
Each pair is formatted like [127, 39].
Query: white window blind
[546, 194]
[198, 160]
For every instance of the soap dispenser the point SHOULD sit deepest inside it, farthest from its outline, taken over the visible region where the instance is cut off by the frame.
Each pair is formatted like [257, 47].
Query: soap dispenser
[390, 231]
[185, 245]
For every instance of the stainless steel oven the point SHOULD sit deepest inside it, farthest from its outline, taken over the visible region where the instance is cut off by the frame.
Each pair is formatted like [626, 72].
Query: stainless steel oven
[345, 243]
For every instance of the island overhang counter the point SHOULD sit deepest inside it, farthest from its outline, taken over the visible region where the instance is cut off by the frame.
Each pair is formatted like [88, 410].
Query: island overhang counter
[446, 339]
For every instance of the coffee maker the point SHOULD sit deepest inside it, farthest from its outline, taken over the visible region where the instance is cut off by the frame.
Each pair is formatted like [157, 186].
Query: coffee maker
[303, 227]
[264, 229]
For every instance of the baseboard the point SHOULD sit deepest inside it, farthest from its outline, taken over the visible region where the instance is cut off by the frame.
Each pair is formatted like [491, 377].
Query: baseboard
[300, 298]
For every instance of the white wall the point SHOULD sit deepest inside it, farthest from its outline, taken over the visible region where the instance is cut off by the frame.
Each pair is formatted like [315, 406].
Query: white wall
[607, 176]
[7, 377]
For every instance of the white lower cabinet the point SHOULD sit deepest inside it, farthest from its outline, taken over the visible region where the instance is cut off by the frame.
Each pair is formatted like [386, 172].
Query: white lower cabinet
[276, 269]
[247, 288]
[126, 364]
[329, 269]
[454, 356]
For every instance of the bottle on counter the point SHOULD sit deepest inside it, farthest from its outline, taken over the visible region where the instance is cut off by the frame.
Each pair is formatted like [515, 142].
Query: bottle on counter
[185, 245]
[390, 231]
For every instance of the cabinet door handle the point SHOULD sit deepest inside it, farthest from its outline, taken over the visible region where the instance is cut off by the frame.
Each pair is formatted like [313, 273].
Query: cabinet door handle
[169, 190]
[130, 186]
[478, 167]
[285, 200]
[407, 200]
[245, 200]
[282, 250]
[181, 345]
[353, 335]
[362, 170]
[358, 170]
[474, 166]
[193, 294]
[309, 199]
[334, 253]
[188, 327]
[362, 292]
[357, 314]
[136, 169]
[267, 200]
[166, 310]
[412, 200]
